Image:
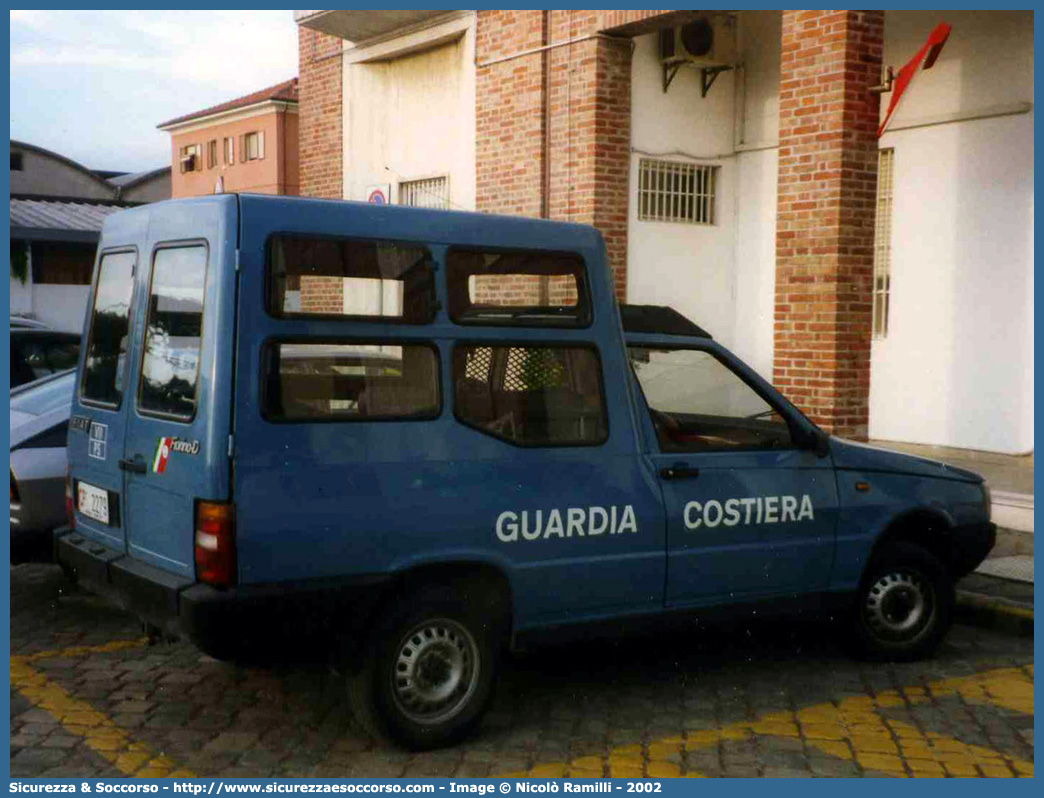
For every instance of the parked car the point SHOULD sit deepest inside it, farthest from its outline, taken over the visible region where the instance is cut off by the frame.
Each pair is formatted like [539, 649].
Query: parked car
[437, 434]
[24, 323]
[37, 351]
[39, 428]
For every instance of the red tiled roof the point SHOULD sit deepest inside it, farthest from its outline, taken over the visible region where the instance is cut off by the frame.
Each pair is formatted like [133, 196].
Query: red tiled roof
[285, 91]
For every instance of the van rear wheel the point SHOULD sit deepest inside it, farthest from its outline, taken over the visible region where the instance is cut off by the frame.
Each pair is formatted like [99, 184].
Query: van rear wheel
[427, 675]
[904, 605]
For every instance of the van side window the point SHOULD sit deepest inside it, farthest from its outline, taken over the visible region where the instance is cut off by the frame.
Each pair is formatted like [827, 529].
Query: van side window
[699, 404]
[107, 339]
[173, 333]
[346, 277]
[525, 288]
[351, 382]
[531, 395]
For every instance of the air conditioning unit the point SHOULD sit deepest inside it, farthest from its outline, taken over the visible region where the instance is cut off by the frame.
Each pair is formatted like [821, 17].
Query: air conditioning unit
[708, 41]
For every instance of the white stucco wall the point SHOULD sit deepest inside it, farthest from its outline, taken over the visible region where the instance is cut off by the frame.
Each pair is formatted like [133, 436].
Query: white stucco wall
[688, 266]
[723, 275]
[61, 306]
[412, 116]
[956, 367]
[21, 296]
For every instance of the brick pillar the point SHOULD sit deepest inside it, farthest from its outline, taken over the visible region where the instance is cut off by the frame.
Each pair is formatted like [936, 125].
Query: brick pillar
[589, 122]
[320, 118]
[825, 216]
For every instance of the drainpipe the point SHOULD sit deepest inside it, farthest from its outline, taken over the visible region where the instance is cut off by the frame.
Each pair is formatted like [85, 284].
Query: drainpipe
[545, 145]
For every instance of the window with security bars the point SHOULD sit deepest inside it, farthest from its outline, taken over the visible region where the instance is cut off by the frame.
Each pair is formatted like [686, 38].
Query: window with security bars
[431, 192]
[883, 242]
[531, 395]
[675, 191]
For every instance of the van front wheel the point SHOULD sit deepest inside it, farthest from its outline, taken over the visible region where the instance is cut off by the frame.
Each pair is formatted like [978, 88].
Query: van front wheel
[427, 676]
[904, 604]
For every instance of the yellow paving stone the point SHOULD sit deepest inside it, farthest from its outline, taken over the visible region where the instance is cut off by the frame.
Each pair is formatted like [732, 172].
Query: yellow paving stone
[995, 771]
[699, 739]
[130, 762]
[838, 749]
[905, 731]
[924, 767]
[822, 731]
[589, 763]
[660, 751]
[874, 745]
[635, 748]
[152, 773]
[101, 744]
[776, 728]
[859, 702]
[885, 762]
[1022, 768]
[80, 717]
[553, 770]
[663, 770]
[889, 700]
[919, 751]
[961, 769]
[584, 773]
[820, 713]
[625, 771]
[625, 760]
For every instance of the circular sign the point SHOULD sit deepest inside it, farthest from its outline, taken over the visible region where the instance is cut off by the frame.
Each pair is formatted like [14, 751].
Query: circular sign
[377, 197]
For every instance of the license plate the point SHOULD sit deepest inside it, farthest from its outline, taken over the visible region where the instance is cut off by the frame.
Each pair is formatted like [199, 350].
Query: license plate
[92, 502]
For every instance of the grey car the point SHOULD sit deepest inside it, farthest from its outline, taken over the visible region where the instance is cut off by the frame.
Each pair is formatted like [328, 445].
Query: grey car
[39, 428]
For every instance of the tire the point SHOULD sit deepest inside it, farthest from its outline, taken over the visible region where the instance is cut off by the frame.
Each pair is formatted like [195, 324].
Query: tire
[904, 605]
[427, 675]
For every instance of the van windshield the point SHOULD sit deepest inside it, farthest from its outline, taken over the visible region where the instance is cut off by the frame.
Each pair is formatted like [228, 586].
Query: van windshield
[107, 340]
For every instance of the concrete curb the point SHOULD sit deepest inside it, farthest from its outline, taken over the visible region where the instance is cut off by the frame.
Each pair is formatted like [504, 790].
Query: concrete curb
[994, 613]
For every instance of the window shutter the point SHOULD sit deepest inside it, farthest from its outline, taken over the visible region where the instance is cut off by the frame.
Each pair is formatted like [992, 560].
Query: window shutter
[242, 149]
[261, 145]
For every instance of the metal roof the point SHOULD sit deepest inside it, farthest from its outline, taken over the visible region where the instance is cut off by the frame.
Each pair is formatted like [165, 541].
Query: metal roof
[58, 220]
[137, 177]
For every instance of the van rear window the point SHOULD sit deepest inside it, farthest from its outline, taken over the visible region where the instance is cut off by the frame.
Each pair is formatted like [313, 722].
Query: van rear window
[107, 339]
[351, 382]
[309, 276]
[518, 287]
[174, 333]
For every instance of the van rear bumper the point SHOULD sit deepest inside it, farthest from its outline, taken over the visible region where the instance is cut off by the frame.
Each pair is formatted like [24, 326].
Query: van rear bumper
[218, 621]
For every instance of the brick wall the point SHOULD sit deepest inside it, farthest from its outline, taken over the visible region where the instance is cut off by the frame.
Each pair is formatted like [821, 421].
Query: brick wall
[320, 138]
[585, 144]
[322, 294]
[825, 217]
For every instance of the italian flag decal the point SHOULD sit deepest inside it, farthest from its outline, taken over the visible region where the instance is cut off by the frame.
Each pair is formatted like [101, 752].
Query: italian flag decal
[159, 459]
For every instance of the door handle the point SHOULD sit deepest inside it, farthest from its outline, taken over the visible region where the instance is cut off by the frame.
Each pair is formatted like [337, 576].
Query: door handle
[137, 465]
[679, 471]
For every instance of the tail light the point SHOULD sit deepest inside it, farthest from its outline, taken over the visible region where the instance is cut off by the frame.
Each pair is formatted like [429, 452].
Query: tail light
[14, 489]
[69, 503]
[215, 543]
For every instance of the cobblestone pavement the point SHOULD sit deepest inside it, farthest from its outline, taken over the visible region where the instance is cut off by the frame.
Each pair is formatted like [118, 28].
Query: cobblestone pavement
[90, 698]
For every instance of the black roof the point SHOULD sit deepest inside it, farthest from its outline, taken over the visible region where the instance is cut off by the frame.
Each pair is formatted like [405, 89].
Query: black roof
[658, 319]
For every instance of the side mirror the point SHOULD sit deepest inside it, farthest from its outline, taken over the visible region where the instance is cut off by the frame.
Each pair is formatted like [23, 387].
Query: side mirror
[814, 440]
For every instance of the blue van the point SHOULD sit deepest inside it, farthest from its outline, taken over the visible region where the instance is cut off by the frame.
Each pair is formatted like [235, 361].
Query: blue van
[433, 435]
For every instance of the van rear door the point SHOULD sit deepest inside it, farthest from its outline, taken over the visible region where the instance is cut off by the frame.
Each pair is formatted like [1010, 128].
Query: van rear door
[176, 448]
[97, 424]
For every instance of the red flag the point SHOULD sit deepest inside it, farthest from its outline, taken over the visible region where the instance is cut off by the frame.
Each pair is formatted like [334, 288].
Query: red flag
[928, 53]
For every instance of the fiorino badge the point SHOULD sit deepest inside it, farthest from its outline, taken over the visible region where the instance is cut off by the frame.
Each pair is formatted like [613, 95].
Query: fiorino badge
[167, 445]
